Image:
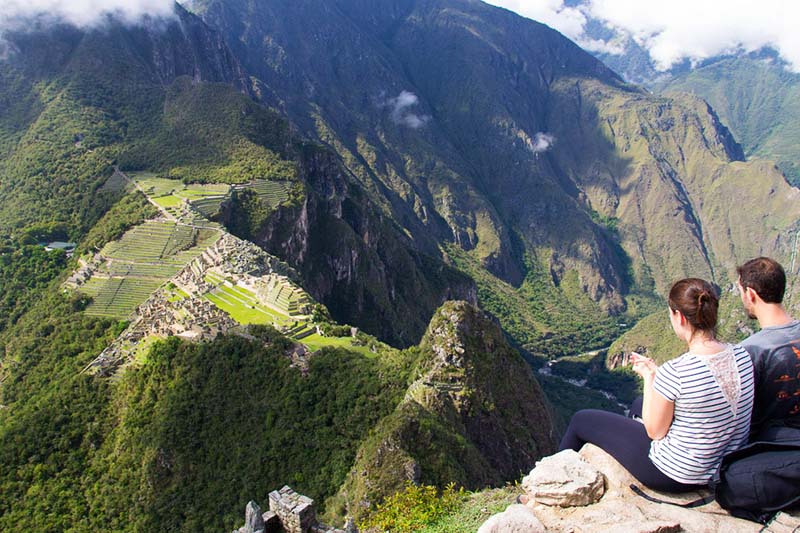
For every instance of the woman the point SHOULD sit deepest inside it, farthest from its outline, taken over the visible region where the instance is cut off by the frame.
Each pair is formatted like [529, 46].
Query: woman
[696, 408]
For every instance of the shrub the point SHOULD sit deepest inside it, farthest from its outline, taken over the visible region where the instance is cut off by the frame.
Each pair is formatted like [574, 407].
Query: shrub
[414, 508]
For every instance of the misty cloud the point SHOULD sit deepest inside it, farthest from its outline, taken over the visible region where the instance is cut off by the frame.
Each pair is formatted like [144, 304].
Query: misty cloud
[18, 14]
[401, 113]
[541, 142]
[675, 30]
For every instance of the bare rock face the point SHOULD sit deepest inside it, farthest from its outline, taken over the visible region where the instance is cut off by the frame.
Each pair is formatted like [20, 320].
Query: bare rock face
[253, 520]
[566, 480]
[515, 519]
[620, 510]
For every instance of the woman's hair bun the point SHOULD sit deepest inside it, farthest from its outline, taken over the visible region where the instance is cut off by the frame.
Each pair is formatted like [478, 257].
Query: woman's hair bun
[697, 300]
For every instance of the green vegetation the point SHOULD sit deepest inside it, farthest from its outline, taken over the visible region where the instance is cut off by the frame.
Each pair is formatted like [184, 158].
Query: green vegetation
[25, 272]
[208, 134]
[168, 447]
[415, 508]
[54, 419]
[474, 510]
[473, 415]
[546, 320]
[130, 211]
[758, 99]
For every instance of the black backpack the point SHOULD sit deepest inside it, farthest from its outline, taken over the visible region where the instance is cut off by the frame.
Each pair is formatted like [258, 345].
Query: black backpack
[754, 482]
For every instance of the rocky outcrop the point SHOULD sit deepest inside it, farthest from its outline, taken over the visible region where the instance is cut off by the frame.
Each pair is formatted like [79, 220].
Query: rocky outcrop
[565, 480]
[475, 415]
[620, 509]
[357, 261]
[515, 519]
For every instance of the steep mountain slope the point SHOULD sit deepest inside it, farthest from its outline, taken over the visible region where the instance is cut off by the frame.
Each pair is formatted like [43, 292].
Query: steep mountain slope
[142, 96]
[755, 93]
[423, 152]
[74, 97]
[474, 414]
[475, 127]
[757, 98]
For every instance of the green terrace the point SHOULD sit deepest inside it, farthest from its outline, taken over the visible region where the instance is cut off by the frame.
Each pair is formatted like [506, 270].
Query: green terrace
[244, 307]
[205, 198]
[273, 192]
[141, 261]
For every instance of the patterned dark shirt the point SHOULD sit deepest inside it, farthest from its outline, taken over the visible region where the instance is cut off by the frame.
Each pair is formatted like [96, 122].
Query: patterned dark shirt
[776, 363]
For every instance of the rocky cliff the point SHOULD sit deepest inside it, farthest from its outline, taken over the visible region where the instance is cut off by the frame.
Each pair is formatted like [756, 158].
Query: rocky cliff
[590, 491]
[474, 415]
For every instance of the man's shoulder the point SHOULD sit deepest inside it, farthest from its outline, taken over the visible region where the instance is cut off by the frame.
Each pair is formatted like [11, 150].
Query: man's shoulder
[771, 338]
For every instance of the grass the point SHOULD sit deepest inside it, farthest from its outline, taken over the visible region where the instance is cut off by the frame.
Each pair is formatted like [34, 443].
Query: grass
[168, 201]
[240, 313]
[317, 342]
[206, 198]
[475, 510]
[177, 295]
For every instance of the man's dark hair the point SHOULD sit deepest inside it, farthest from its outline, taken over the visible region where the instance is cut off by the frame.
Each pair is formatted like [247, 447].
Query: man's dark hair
[766, 277]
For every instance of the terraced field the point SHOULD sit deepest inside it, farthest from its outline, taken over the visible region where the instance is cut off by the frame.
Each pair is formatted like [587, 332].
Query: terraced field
[208, 206]
[274, 192]
[245, 307]
[117, 297]
[140, 262]
[205, 198]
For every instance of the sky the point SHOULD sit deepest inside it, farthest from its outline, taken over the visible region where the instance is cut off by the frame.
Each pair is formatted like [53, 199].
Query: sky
[673, 30]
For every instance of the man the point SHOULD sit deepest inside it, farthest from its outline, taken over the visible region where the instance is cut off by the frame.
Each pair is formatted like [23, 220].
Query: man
[775, 349]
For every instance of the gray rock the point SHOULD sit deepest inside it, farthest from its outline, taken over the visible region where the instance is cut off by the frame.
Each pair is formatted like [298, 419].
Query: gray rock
[253, 521]
[350, 526]
[620, 510]
[272, 523]
[652, 526]
[566, 480]
[515, 519]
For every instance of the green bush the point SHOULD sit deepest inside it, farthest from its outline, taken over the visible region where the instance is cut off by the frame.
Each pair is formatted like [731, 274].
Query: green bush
[414, 508]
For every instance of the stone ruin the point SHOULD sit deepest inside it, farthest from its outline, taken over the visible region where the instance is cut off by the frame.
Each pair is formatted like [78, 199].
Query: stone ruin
[191, 318]
[289, 512]
[195, 318]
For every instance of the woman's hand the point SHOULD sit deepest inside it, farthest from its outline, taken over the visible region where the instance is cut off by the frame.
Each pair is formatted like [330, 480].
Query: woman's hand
[644, 366]
[657, 411]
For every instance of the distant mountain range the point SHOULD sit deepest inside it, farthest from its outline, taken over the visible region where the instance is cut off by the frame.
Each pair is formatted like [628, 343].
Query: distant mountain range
[755, 94]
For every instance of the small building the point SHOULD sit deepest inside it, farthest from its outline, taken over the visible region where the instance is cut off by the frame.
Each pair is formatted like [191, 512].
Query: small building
[68, 247]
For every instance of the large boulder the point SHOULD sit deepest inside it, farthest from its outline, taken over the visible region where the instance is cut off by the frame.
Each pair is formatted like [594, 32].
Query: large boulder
[515, 519]
[564, 479]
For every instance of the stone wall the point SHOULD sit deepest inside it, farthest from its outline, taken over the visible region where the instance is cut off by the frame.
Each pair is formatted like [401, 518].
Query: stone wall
[289, 512]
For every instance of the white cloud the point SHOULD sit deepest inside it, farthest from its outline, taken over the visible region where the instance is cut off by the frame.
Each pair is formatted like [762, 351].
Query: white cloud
[569, 21]
[678, 29]
[401, 112]
[15, 14]
[541, 142]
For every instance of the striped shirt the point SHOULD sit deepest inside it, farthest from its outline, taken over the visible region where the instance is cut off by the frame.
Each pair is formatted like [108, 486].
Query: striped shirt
[706, 424]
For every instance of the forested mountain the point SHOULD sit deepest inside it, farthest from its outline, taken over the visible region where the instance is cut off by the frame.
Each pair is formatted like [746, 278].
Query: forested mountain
[426, 150]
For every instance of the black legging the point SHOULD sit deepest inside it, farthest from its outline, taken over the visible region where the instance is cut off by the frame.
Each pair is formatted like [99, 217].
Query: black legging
[624, 439]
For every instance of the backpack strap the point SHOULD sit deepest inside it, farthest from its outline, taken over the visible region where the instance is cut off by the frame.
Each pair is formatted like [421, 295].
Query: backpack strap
[687, 505]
